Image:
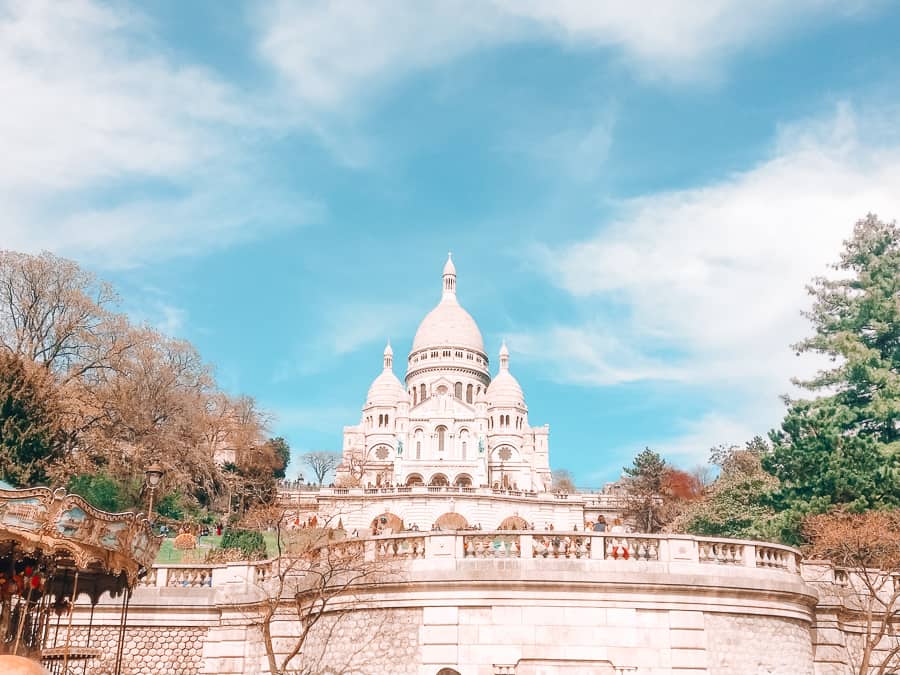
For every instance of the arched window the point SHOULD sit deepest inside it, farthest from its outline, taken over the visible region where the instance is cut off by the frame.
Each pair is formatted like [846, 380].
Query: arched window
[463, 443]
[441, 436]
[419, 443]
[469, 394]
[457, 390]
[422, 392]
[386, 417]
[414, 393]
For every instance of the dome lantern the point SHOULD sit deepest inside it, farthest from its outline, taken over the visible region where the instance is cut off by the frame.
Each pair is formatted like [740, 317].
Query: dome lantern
[388, 357]
[504, 357]
[449, 276]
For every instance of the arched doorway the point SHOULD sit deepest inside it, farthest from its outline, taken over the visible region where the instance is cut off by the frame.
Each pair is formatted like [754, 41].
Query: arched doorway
[438, 479]
[514, 523]
[451, 521]
[414, 479]
[463, 480]
[448, 671]
[386, 523]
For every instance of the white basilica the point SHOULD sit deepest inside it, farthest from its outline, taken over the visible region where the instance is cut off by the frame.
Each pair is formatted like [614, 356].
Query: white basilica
[451, 424]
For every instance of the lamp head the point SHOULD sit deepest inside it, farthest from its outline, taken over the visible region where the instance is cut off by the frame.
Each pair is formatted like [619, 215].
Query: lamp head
[154, 474]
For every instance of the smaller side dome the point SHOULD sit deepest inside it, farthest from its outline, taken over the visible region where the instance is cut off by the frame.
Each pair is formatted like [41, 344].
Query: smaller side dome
[504, 390]
[386, 389]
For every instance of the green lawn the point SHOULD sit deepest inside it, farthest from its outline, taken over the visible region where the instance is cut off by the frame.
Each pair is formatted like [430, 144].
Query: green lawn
[169, 554]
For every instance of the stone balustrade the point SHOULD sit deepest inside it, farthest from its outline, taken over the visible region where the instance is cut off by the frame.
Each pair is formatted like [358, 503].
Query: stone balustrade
[289, 495]
[536, 545]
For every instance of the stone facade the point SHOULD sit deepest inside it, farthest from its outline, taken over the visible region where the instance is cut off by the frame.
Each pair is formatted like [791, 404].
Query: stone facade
[450, 423]
[757, 645]
[148, 650]
[364, 642]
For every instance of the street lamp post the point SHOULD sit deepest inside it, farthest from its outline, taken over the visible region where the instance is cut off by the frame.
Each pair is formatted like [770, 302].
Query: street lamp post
[154, 474]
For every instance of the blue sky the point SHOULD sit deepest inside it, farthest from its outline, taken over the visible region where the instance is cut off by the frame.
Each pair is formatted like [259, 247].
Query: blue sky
[634, 198]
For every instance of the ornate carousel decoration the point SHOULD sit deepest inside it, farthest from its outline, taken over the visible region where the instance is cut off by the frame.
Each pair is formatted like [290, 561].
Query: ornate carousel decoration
[55, 548]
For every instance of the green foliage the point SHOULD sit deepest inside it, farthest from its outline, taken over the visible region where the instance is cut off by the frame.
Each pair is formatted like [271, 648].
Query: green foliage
[171, 506]
[644, 485]
[30, 437]
[842, 448]
[738, 503]
[282, 453]
[102, 491]
[250, 542]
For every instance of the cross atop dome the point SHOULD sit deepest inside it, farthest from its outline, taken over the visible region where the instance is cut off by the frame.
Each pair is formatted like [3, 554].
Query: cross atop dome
[449, 276]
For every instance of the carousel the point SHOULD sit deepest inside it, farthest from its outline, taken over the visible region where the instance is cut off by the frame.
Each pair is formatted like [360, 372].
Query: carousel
[55, 548]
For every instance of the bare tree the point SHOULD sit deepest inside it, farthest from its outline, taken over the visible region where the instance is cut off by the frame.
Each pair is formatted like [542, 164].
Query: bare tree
[322, 462]
[314, 581]
[126, 395]
[562, 480]
[865, 550]
[56, 314]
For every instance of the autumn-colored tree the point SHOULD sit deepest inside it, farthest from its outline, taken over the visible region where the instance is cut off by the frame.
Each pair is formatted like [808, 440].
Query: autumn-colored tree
[865, 550]
[125, 396]
[55, 314]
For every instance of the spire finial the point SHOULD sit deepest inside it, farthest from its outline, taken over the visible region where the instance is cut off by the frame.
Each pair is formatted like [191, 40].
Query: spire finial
[504, 356]
[388, 356]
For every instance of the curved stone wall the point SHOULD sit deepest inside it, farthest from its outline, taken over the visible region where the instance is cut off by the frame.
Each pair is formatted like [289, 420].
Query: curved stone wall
[488, 603]
[592, 610]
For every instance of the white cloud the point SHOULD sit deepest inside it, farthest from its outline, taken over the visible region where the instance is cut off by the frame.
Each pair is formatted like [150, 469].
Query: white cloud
[671, 38]
[711, 281]
[93, 108]
[590, 355]
[86, 98]
[331, 52]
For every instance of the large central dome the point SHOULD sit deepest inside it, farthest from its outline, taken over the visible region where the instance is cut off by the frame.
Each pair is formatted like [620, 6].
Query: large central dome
[448, 324]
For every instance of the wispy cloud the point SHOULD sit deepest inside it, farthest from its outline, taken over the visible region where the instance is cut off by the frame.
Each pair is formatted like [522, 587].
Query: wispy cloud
[344, 329]
[95, 113]
[709, 283]
[332, 52]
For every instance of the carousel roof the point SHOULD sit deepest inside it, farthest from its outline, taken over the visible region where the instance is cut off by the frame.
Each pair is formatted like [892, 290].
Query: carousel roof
[76, 536]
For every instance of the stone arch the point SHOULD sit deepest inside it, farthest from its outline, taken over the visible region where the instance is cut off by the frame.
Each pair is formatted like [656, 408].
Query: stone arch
[514, 523]
[387, 521]
[447, 671]
[438, 479]
[451, 521]
[463, 480]
[414, 479]
[464, 440]
[441, 433]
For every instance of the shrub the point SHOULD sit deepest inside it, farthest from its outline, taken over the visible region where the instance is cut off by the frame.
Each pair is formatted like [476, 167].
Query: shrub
[185, 541]
[171, 506]
[249, 542]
